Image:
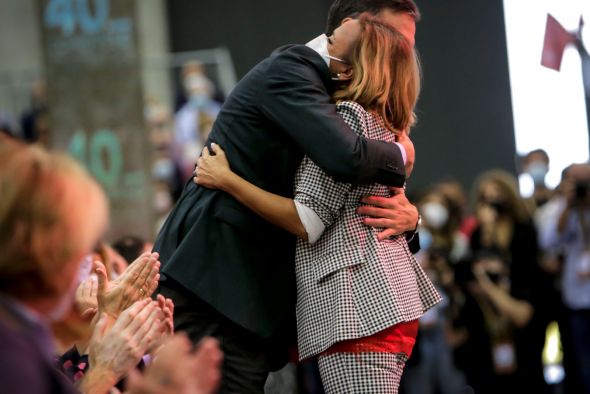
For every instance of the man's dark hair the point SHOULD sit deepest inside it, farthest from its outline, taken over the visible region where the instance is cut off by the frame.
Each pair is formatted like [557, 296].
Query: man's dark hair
[540, 152]
[342, 9]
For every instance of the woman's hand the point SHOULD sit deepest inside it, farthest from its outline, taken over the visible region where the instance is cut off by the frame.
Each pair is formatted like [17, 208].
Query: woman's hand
[212, 171]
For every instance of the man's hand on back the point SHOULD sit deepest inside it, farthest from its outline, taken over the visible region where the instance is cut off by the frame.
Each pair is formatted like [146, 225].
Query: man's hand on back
[395, 214]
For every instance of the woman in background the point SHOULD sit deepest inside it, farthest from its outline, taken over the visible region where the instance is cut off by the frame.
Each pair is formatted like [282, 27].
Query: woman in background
[504, 290]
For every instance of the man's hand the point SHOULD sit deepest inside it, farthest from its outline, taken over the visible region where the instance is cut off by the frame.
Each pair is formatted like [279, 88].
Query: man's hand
[404, 139]
[138, 281]
[396, 214]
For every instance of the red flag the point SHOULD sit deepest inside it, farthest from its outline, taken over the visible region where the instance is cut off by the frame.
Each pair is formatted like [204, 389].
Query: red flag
[556, 39]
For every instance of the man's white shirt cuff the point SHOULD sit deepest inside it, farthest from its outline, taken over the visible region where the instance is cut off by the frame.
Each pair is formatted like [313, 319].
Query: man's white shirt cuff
[311, 222]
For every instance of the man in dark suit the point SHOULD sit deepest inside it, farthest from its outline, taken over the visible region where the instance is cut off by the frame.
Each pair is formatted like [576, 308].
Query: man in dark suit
[230, 273]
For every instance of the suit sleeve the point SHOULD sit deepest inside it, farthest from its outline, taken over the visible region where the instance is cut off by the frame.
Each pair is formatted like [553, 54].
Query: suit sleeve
[295, 98]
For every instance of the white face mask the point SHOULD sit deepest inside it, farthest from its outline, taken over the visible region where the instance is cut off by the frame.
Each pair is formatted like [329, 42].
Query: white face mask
[198, 88]
[435, 214]
[320, 45]
[163, 169]
[162, 201]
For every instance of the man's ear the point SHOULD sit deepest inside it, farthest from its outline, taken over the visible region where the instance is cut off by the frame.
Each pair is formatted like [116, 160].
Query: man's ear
[348, 18]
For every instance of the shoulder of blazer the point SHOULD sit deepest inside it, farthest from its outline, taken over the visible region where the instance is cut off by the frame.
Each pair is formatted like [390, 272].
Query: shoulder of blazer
[296, 55]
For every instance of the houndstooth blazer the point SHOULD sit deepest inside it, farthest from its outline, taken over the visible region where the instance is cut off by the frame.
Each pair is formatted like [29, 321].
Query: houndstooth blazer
[349, 284]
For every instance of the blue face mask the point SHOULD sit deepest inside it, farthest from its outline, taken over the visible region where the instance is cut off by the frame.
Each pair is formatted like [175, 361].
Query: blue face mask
[425, 239]
[163, 170]
[198, 88]
[537, 170]
[199, 99]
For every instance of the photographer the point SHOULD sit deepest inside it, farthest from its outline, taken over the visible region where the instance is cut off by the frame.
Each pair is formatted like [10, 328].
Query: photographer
[502, 283]
[565, 229]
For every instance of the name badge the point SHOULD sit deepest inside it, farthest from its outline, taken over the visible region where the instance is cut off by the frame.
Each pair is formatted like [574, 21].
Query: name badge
[504, 356]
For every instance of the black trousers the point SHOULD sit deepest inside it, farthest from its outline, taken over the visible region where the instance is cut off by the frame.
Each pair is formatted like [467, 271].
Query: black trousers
[246, 357]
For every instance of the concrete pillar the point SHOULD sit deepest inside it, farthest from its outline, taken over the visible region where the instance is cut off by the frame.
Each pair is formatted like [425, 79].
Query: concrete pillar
[20, 55]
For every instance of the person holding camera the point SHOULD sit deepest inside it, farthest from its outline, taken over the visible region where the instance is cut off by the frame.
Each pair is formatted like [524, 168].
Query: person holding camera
[565, 229]
[502, 283]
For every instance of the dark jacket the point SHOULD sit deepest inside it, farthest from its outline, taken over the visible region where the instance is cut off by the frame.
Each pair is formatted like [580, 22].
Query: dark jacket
[26, 360]
[221, 251]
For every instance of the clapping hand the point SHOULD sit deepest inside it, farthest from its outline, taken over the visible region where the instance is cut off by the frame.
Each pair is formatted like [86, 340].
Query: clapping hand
[137, 282]
[118, 349]
[86, 297]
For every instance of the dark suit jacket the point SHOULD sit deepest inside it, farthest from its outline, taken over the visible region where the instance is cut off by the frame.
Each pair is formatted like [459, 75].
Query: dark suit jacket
[224, 253]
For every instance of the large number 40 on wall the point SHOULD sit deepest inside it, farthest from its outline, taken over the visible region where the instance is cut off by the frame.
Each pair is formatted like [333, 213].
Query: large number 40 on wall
[101, 153]
[90, 15]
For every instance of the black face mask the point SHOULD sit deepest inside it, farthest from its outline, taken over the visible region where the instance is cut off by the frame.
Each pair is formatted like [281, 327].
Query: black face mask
[499, 206]
[495, 277]
[582, 189]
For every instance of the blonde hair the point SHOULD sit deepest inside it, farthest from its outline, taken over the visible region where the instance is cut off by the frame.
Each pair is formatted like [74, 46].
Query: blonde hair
[47, 216]
[386, 74]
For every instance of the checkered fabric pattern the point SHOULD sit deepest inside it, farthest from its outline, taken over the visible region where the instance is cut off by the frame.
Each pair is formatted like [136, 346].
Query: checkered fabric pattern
[356, 373]
[349, 284]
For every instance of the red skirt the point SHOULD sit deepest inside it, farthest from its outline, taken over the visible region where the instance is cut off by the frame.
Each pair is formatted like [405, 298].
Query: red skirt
[399, 338]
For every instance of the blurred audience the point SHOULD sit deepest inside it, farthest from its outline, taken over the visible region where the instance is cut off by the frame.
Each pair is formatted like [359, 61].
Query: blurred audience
[502, 314]
[167, 176]
[536, 165]
[194, 120]
[565, 233]
[431, 369]
[131, 247]
[45, 231]
[34, 121]
[6, 128]
[47, 234]
[453, 190]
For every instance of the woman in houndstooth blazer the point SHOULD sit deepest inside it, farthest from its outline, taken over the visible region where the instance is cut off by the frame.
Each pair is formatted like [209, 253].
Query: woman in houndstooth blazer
[358, 298]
